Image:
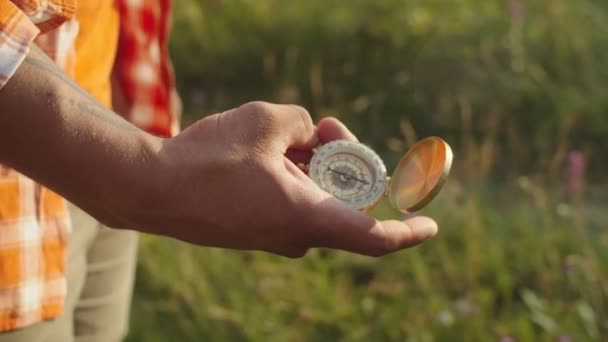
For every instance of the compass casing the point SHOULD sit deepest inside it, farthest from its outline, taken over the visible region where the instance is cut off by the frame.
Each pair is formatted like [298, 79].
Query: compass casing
[355, 174]
[342, 166]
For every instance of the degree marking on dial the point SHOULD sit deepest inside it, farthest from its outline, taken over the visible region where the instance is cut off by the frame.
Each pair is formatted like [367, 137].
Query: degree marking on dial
[350, 171]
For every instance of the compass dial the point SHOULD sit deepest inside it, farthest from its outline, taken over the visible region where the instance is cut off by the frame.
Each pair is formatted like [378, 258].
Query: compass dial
[350, 171]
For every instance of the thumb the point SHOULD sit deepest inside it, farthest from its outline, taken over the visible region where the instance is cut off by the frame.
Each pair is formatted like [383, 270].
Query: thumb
[335, 225]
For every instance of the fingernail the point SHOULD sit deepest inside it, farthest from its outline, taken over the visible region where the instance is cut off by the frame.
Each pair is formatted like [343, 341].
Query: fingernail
[430, 231]
[424, 226]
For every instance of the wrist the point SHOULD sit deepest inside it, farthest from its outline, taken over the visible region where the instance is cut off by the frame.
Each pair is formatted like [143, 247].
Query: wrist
[142, 181]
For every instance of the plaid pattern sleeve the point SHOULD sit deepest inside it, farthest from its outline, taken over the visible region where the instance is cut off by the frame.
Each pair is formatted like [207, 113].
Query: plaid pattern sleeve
[143, 70]
[20, 22]
[34, 223]
[17, 32]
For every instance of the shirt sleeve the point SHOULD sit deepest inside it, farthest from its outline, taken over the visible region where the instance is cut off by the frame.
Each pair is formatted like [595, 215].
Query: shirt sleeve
[144, 88]
[20, 22]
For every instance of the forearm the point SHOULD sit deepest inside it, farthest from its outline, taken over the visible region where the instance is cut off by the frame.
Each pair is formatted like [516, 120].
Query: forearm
[223, 182]
[57, 134]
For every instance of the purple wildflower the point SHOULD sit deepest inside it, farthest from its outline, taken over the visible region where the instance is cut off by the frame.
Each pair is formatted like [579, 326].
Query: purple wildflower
[575, 171]
[517, 10]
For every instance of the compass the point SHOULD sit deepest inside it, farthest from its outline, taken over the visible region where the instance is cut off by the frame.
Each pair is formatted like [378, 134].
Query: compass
[355, 174]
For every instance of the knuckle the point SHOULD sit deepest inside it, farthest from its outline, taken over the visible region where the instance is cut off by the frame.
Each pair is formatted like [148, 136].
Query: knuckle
[384, 246]
[303, 120]
[256, 106]
[387, 242]
[259, 110]
[391, 244]
[263, 122]
[248, 125]
[304, 117]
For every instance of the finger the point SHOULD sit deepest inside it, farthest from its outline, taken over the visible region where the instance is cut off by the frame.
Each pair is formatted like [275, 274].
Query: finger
[283, 126]
[338, 226]
[298, 130]
[331, 129]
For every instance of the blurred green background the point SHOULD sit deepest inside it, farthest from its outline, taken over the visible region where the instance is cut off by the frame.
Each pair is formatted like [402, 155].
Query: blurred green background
[518, 88]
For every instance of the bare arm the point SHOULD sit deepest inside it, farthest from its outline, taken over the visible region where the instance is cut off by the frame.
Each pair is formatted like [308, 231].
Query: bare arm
[55, 132]
[225, 181]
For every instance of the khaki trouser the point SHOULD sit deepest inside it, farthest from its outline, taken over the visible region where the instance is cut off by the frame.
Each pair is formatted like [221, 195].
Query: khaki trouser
[101, 267]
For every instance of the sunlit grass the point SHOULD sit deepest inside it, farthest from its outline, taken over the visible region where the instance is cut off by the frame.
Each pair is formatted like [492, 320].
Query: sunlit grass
[512, 258]
[501, 266]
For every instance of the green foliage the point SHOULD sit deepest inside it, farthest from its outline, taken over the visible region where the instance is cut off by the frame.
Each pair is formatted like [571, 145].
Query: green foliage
[512, 85]
[520, 80]
[496, 269]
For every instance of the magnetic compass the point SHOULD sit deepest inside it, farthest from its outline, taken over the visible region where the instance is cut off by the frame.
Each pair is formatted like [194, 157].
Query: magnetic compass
[355, 174]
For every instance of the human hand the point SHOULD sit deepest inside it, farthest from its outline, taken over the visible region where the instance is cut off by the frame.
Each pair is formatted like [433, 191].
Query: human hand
[230, 180]
[227, 181]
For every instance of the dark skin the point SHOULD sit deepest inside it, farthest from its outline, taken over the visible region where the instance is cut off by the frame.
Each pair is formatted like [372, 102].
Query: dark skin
[227, 181]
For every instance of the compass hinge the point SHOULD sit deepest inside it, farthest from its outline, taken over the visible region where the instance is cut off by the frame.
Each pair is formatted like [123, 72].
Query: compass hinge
[388, 186]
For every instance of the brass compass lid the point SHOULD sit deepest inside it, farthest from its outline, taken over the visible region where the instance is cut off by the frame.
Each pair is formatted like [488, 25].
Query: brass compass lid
[420, 174]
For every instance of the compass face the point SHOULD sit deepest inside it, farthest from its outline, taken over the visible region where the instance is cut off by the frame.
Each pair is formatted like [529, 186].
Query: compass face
[350, 171]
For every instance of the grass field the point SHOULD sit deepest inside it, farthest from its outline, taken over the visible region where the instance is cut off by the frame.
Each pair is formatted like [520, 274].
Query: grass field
[515, 86]
[509, 264]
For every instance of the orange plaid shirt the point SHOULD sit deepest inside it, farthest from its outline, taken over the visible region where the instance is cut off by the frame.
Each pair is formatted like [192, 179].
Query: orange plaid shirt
[89, 40]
